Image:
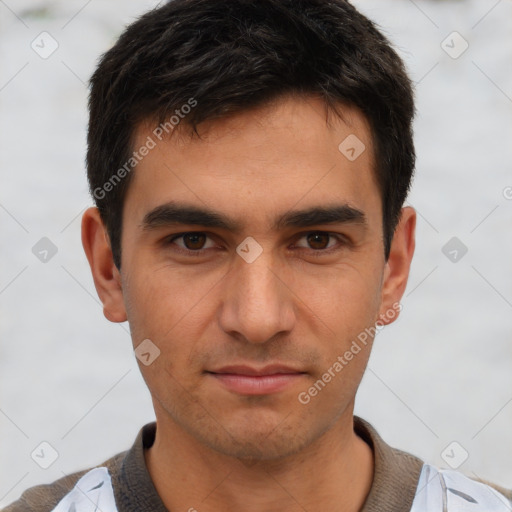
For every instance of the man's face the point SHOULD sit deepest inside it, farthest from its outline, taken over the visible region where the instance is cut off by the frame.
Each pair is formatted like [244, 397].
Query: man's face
[300, 303]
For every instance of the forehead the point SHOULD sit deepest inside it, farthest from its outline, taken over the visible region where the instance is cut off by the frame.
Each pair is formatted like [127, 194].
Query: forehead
[259, 161]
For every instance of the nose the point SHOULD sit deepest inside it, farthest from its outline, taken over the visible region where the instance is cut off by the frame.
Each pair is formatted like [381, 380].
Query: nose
[258, 305]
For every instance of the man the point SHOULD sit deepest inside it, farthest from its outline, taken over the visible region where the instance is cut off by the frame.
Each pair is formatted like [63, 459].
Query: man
[249, 163]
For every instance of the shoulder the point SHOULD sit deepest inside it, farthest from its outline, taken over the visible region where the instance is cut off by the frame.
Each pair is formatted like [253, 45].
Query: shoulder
[44, 498]
[445, 490]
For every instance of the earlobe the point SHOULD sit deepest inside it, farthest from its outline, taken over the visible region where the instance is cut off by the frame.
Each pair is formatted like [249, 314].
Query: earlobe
[107, 279]
[396, 271]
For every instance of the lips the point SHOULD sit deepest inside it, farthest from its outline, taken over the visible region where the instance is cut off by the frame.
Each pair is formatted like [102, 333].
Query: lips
[247, 380]
[248, 370]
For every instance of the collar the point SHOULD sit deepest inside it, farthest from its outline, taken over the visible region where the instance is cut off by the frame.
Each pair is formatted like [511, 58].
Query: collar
[395, 477]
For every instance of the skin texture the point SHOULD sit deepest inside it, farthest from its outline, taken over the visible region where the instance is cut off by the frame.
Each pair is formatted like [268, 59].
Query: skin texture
[296, 304]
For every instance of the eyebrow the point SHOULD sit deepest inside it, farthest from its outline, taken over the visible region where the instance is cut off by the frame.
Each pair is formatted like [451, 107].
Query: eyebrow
[174, 213]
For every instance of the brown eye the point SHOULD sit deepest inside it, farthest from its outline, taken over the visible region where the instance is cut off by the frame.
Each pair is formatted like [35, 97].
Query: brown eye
[194, 241]
[318, 240]
[322, 243]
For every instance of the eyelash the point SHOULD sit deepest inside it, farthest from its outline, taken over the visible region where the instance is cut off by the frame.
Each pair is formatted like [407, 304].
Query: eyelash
[342, 241]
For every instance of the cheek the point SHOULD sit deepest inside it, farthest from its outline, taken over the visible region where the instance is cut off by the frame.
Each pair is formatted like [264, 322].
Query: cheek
[346, 301]
[169, 305]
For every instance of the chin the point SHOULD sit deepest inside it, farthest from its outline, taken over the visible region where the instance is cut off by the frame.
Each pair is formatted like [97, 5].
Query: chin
[252, 445]
[258, 449]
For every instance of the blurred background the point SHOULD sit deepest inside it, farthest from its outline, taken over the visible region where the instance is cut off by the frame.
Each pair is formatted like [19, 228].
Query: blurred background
[439, 381]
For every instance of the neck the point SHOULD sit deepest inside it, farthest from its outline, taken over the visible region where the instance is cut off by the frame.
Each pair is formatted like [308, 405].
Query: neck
[333, 473]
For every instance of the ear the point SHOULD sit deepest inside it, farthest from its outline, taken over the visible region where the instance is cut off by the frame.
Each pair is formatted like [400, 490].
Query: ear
[396, 270]
[107, 279]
